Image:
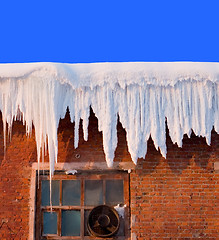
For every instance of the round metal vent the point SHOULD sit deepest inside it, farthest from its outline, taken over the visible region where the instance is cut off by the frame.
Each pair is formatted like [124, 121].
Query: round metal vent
[103, 221]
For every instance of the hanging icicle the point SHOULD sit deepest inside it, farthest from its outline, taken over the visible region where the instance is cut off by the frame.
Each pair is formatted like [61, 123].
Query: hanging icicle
[143, 95]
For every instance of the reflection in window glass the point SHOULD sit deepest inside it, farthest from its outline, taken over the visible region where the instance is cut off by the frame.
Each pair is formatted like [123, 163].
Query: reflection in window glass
[114, 192]
[46, 190]
[71, 192]
[49, 223]
[93, 192]
[71, 223]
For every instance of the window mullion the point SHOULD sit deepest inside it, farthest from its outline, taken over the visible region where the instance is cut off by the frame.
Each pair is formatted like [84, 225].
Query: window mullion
[59, 222]
[82, 208]
[126, 191]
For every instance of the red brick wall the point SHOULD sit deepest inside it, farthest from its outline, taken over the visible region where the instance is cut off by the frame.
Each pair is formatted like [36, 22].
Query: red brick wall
[171, 198]
[177, 197]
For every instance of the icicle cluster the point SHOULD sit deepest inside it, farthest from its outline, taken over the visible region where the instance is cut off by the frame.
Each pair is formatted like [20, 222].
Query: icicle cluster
[39, 94]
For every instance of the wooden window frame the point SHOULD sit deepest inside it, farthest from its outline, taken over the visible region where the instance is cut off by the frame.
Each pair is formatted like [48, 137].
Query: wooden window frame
[82, 176]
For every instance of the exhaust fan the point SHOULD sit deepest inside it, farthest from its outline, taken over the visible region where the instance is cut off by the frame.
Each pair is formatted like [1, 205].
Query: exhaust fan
[103, 221]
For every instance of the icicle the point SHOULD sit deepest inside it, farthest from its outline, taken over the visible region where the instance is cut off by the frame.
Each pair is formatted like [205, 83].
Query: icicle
[142, 95]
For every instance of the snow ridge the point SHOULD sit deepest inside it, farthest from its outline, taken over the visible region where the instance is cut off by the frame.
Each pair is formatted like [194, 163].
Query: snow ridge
[39, 94]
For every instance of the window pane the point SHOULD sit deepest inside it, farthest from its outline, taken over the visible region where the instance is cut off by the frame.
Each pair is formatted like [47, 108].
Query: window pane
[46, 190]
[93, 192]
[114, 192]
[121, 231]
[86, 214]
[71, 223]
[49, 223]
[71, 192]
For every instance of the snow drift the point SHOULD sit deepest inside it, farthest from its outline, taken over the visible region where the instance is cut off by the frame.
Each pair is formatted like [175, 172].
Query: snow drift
[142, 95]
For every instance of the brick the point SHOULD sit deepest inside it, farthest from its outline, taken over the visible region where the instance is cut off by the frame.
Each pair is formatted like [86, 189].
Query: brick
[176, 198]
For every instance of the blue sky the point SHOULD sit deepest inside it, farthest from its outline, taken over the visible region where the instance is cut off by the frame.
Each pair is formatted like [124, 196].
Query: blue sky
[77, 31]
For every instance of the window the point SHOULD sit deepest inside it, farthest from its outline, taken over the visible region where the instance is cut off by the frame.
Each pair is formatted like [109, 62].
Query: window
[73, 199]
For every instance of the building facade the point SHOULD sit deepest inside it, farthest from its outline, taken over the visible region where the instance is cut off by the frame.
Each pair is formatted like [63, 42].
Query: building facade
[137, 151]
[172, 198]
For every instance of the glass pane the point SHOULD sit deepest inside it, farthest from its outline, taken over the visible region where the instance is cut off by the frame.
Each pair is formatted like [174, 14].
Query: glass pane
[93, 192]
[114, 192]
[49, 223]
[71, 192]
[86, 214]
[121, 231]
[71, 223]
[45, 193]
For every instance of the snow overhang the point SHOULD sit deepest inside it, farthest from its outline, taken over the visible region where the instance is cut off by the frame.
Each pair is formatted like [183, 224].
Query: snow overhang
[143, 95]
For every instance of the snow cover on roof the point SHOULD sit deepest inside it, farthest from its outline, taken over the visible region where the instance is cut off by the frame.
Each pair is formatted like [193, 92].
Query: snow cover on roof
[143, 95]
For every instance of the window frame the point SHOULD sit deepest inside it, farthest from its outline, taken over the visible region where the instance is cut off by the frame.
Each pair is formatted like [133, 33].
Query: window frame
[82, 176]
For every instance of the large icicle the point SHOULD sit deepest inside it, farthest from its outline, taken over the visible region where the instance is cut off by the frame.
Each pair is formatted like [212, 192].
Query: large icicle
[144, 96]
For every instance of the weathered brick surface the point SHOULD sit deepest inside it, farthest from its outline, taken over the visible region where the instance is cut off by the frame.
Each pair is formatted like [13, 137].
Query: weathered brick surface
[15, 173]
[172, 198]
[177, 197]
